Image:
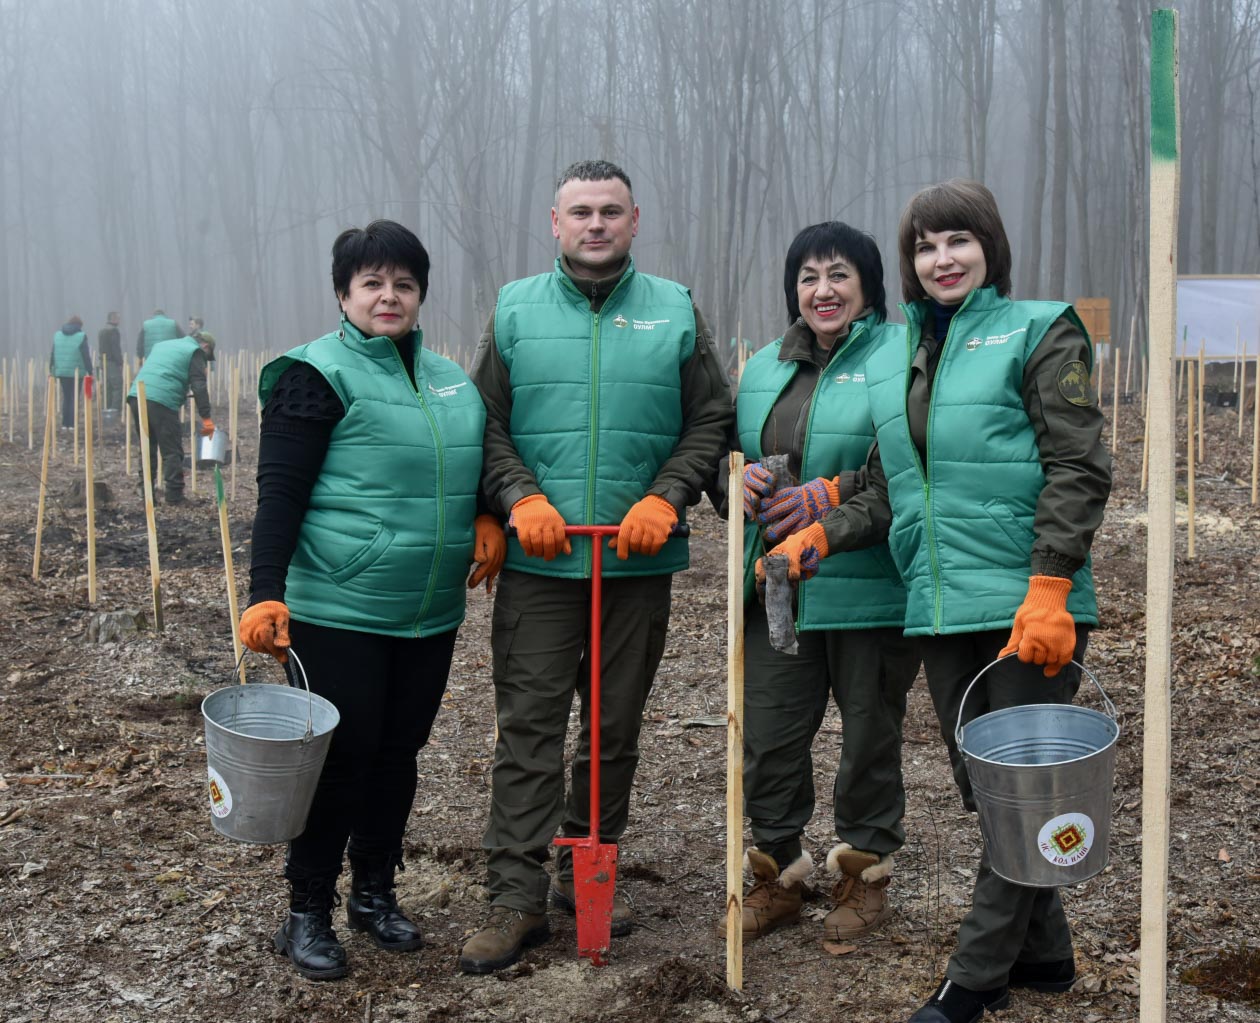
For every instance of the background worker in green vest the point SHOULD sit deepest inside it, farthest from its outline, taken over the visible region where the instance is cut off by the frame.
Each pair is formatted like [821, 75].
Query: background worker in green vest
[174, 368]
[804, 396]
[605, 404]
[995, 497]
[109, 346]
[70, 355]
[157, 328]
[368, 466]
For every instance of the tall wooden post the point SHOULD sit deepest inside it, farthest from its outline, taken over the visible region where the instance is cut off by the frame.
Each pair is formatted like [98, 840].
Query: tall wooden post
[155, 575]
[50, 431]
[735, 724]
[89, 489]
[1165, 197]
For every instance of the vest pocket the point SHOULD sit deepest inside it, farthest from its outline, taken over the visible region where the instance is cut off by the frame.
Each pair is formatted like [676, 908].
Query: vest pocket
[366, 557]
[1020, 536]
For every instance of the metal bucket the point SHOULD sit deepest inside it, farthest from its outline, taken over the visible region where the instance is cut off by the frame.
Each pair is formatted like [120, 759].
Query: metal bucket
[212, 450]
[265, 748]
[1042, 778]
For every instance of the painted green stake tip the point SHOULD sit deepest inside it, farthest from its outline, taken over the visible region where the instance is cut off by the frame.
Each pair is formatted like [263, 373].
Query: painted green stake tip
[218, 485]
[1164, 128]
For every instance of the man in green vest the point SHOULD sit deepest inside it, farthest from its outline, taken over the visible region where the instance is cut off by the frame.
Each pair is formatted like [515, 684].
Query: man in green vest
[157, 328]
[605, 404]
[175, 367]
[70, 356]
[109, 344]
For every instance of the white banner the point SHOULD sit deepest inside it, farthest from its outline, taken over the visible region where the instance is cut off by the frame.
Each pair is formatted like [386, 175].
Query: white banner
[1216, 311]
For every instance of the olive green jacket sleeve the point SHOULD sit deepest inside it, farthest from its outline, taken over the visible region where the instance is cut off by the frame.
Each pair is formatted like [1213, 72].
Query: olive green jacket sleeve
[864, 515]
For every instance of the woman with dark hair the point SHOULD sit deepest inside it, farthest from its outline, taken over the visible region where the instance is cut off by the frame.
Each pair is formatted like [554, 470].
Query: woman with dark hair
[990, 459]
[368, 466]
[802, 396]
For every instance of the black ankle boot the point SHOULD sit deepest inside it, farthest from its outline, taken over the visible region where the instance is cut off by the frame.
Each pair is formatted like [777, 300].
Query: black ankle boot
[372, 907]
[307, 937]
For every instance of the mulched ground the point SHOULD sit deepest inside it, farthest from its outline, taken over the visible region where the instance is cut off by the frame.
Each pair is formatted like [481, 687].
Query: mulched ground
[118, 902]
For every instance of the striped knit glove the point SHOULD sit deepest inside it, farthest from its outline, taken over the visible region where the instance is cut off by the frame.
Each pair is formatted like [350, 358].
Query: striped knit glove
[793, 508]
[804, 550]
[539, 527]
[758, 485]
[1044, 632]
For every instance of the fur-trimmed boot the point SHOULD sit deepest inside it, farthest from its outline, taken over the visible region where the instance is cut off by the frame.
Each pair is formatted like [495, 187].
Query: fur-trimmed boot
[860, 893]
[775, 897]
[372, 906]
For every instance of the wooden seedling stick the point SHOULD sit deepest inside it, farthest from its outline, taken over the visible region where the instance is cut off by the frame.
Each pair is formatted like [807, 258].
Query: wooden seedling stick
[30, 405]
[1201, 419]
[146, 469]
[192, 445]
[235, 403]
[735, 725]
[1165, 195]
[90, 491]
[76, 417]
[124, 413]
[1190, 425]
[228, 570]
[1240, 387]
[1115, 401]
[1255, 435]
[49, 430]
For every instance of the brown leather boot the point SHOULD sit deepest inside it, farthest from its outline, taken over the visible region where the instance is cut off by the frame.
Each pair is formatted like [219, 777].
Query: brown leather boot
[564, 897]
[502, 937]
[860, 894]
[775, 897]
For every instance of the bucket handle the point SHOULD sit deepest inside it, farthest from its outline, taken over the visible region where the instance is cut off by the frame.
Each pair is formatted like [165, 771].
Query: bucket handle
[288, 671]
[1111, 707]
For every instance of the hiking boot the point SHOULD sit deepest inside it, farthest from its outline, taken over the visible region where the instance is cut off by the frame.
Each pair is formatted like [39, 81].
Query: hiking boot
[1058, 975]
[501, 938]
[953, 1003]
[564, 898]
[775, 897]
[860, 895]
[307, 937]
[372, 906]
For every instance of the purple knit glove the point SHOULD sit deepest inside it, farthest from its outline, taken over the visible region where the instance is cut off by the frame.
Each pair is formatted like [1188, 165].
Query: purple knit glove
[758, 485]
[793, 508]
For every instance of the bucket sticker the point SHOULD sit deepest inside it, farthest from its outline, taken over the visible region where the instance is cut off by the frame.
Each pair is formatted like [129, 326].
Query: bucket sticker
[1067, 839]
[220, 794]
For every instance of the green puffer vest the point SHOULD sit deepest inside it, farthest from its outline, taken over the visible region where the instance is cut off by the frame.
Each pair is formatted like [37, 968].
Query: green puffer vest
[157, 329]
[596, 403]
[962, 533]
[165, 373]
[66, 354]
[852, 590]
[388, 535]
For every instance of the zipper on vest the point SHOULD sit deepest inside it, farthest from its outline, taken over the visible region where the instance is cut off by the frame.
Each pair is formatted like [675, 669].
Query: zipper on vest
[440, 451]
[928, 519]
[593, 444]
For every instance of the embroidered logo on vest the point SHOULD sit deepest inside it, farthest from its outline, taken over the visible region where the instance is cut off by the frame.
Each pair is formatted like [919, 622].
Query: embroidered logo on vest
[448, 391]
[620, 321]
[648, 324]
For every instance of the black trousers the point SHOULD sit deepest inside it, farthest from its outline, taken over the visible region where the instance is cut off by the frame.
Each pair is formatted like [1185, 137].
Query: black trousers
[388, 690]
[167, 436]
[68, 396]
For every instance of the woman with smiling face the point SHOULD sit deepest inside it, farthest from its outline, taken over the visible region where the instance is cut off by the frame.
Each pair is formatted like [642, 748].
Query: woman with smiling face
[989, 456]
[368, 466]
[803, 396]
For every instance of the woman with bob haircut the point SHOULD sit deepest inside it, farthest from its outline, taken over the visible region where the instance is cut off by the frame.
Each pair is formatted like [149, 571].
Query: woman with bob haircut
[368, 466]
[802, 396]
[989, 455]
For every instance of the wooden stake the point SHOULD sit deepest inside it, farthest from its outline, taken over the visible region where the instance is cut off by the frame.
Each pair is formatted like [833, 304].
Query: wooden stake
[124, 413]
[192, 445]
[1165, 195]
[49, 430]
[146, 469]
[30, 405]
[1255, 435]
[90, 491]
[1201, 419]
[1146, 450]
[1145, 379]
[1190, 424]
[232, 422]
[1115, 402]
[1240, 387]
[735, 726]
[76, 417]
[228, 570]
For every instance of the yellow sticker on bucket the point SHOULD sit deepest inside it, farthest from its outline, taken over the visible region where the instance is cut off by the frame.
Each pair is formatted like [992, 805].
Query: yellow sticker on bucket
[220, 794]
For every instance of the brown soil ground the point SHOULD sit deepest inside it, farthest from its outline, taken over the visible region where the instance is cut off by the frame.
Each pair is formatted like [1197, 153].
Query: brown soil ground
[118, 902]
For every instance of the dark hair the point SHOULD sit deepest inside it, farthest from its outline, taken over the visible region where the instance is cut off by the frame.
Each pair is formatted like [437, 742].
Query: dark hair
[956, 205]
[833, 238]
[383, 244]
[197, 320]
[594, 170]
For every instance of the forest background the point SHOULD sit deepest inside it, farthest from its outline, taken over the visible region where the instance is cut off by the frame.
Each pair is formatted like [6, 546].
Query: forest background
[202, 157]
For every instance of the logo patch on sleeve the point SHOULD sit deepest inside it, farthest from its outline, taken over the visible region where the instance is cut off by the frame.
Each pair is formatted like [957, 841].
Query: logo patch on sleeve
[1074, 383]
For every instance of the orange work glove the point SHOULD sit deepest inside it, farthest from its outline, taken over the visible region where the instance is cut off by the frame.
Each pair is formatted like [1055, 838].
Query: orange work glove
[1044, 632]
[265, 629]
[489, 551]
[207, 427]
[539, 527]
[804, 551]
[645, 528]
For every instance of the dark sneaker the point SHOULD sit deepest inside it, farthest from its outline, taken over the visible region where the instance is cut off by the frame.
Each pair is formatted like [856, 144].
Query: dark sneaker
[1058, 975]
[501, 939]
[953, 1003]
[564, 899]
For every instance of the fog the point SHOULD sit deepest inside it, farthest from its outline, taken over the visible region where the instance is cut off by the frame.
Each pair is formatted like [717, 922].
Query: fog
[201, 157]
